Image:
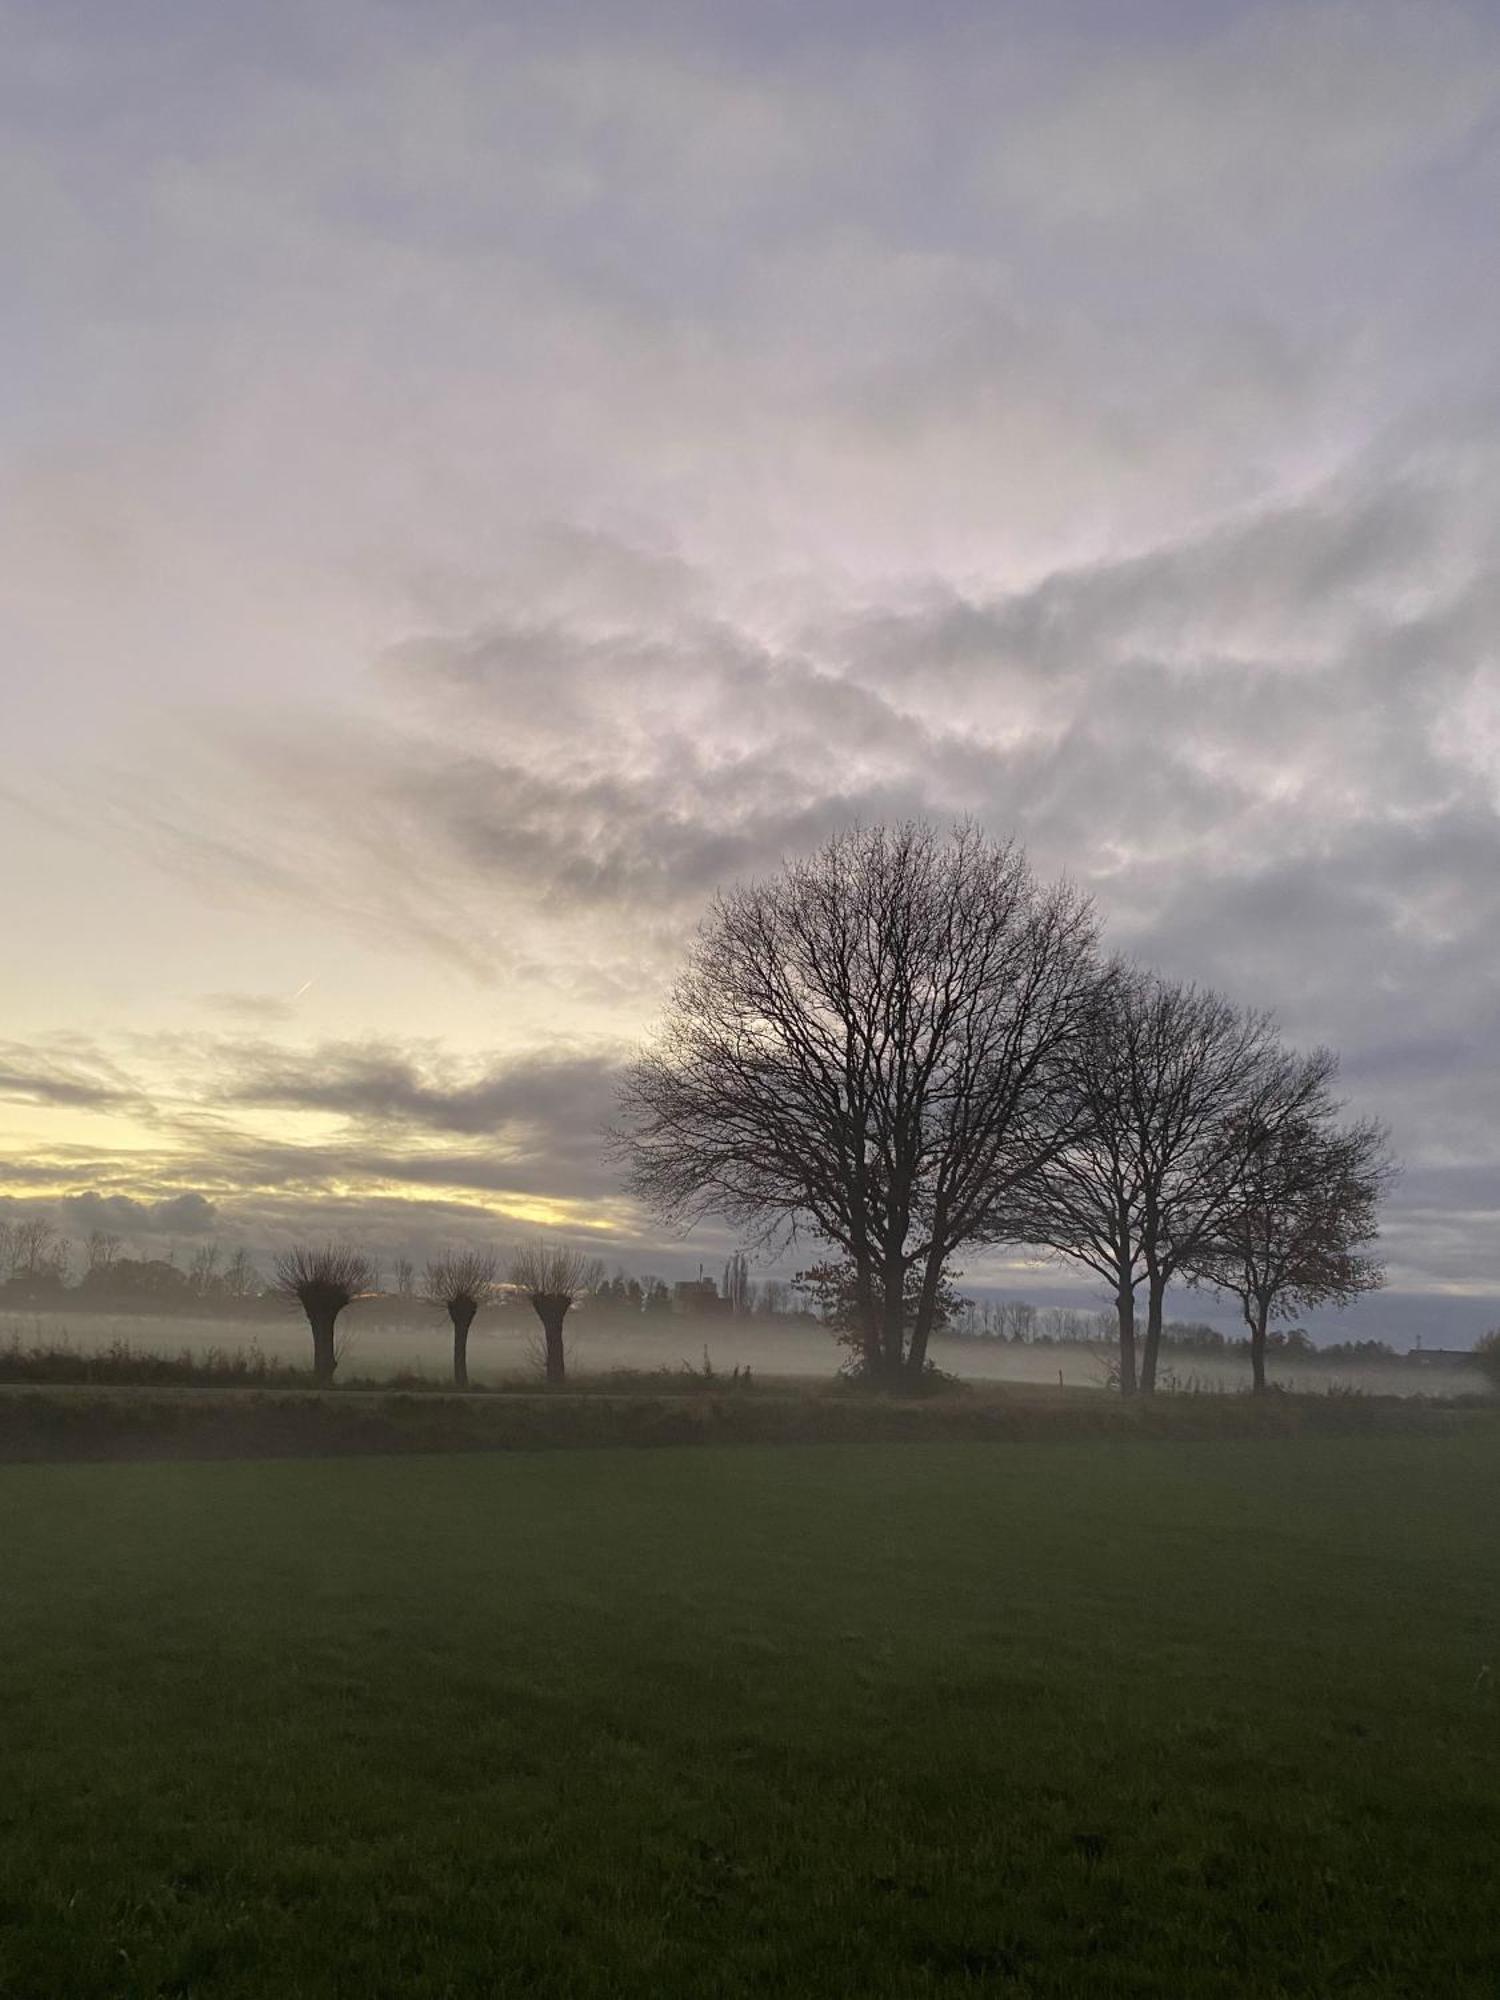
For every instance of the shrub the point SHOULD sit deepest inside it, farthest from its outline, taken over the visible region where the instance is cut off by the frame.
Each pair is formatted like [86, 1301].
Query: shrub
[120, 1364]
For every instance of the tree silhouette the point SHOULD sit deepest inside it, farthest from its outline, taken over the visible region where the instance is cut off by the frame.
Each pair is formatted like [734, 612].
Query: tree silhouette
[1293, 1235]
[832, 1292]
[868, 1047]
[1168, 1081]
[322, 1280]
[552, 1279]
[461, 1281]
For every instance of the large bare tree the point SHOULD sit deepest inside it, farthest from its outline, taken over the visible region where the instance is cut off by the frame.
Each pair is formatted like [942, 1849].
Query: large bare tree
[461, 1281]
[322, 1279]
[868, 1047]
[1169, 1081]
[552, 1279]
[1295, 1232]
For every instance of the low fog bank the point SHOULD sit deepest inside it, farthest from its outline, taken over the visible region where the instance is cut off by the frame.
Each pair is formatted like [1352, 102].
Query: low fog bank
[506, 1344]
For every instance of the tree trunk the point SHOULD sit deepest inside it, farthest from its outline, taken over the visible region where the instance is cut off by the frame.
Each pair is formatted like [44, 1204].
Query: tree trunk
[1125, 1313]
[552, 1317]
[1156, 1292]
[1258, 1350]
[461, 1312]
[325, 1358]
[869, 1318]
[921, 1333]
[893, 1318]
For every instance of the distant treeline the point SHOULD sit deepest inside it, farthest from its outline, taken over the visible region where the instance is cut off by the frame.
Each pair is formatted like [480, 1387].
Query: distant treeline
[1019, 1323]
[41, 1269]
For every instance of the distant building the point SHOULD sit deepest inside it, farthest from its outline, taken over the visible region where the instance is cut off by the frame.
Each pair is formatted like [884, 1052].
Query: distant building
[699, 1296]
[1440, 1357]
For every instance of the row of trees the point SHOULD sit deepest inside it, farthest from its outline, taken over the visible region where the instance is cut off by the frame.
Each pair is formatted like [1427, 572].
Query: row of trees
[324, 1279]
[38, 1263]
[904, 1046]
[1017, 1322]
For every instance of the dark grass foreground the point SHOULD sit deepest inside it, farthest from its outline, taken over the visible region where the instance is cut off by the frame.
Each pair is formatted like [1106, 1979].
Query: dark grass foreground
[103, 1422]
[1174, 1720]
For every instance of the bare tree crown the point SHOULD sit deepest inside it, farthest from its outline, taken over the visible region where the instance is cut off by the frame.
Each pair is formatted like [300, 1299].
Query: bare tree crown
[461, 1277]
[545, 1271]
[322, 1274]
[867, 1045]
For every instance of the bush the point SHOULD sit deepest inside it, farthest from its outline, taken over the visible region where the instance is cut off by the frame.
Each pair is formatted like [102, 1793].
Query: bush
[120, 1364]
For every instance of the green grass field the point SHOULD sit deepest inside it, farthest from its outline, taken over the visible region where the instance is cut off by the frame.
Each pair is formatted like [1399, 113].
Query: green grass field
[1075, 1719]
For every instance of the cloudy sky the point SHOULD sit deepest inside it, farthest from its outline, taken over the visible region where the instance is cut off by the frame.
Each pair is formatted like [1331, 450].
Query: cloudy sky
[474, 477]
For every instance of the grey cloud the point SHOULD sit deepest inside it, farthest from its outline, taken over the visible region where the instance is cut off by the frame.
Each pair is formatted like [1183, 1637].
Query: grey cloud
[183, 1214]
[68, 1072]
[530, 1126]
[377, 1084]
[190, 1213]
[1290, 109]
[1249, 700]
[527, 1168]
[628, 778]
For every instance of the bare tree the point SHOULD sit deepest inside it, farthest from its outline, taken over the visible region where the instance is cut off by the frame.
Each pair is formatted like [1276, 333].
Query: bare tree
[461, 1282]
[737, 1290]
[552, 1279]
[241, 1279]
[322, 1280]
[867, 1047]
[1018, 1321]
[1170, 1080]
[102, 1249]
[405, 1273]
[203, 1270]
[1293, 1236]
[35, 1246]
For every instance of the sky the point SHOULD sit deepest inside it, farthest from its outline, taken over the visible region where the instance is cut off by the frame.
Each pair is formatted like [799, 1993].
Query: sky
[474, 479]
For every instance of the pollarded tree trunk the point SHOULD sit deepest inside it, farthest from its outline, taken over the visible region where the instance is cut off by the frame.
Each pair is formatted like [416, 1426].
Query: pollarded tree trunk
[1125, 1313]
[325, 1355]
[461, 1312]
[552, 1314]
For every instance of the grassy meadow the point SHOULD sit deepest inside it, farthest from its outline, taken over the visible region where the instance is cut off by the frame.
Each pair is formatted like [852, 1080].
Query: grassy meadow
[1092, 1718]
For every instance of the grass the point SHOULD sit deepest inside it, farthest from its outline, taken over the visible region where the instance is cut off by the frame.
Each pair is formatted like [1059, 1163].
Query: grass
[93, 1420]
[1173, 1720]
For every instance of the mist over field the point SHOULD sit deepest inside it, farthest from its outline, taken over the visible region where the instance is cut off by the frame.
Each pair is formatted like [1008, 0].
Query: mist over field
[504, 1348]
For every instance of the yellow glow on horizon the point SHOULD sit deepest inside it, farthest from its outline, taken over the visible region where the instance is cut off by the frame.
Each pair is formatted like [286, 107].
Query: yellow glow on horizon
[28, 1130]
[72, 1149]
